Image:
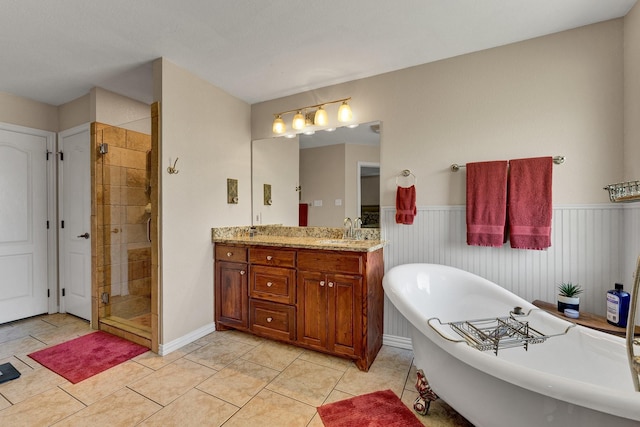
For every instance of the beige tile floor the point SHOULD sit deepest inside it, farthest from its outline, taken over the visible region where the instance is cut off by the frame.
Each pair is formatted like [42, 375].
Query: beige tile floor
[223, 379]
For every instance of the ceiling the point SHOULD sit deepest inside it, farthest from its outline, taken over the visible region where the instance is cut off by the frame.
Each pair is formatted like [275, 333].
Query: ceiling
[257, 50]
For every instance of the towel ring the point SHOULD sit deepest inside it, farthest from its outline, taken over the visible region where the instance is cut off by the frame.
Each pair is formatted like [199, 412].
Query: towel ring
[406, 174]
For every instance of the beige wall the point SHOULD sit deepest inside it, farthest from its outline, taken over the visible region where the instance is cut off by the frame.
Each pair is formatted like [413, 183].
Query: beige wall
[322, 177]
[75, 113]
[328, 173]
[632, 94]
[209, 131]
[275, 162]
[560, 94]
[118, 110]
[355, 153]
[26, 112]
[99, 105]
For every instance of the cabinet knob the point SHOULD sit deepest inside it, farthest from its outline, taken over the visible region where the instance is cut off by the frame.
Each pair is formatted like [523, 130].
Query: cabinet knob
[322, 283]
[242, 272]
[269, 319]
[331, 284]
[269, 284]
[229, 253]
[269, 257]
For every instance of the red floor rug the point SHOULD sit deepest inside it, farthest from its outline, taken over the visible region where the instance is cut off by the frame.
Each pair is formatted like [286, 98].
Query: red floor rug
[379, 409]
[87, 356]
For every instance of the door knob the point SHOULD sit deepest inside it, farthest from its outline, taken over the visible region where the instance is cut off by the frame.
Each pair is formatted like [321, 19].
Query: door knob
[85, 235]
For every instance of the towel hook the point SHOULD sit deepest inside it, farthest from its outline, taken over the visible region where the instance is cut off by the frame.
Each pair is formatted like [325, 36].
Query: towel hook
[172, 169]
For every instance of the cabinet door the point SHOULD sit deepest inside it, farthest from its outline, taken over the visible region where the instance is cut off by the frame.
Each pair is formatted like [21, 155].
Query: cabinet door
[344, 311]
[231, 293]
[312, 308]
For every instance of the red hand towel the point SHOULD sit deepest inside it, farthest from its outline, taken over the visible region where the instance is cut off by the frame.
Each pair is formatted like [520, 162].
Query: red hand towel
[486, 203]
[530, 203]
[405, 205]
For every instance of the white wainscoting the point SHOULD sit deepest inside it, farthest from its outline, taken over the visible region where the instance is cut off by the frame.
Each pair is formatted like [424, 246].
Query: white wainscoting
[592, 245]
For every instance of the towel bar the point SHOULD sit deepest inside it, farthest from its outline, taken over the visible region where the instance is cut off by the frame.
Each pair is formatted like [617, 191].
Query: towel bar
[558, 160]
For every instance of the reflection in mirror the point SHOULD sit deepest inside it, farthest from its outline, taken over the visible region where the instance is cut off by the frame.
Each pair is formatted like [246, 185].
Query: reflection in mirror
[274, 163]
[369, 194]
[339, 176]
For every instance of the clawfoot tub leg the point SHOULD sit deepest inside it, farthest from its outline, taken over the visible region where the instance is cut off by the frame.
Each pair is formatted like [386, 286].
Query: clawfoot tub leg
[423, 402]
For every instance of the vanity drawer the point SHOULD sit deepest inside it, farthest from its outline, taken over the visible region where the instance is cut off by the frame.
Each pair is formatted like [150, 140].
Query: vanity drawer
[273, 256]
[272, 319]
[343, 262]
[230, 253]
[273, 283]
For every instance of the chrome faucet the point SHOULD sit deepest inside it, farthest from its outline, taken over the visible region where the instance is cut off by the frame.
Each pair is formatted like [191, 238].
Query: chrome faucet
[356, 230]
[348, 228]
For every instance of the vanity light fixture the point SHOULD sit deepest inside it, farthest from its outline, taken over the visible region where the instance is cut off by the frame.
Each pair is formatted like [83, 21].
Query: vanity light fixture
[344, 113]
[298, 121]
[278, 125]
[321, 118]
[316, 116]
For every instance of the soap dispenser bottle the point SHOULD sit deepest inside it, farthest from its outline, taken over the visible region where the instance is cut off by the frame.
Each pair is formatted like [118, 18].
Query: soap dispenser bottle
[618, 306]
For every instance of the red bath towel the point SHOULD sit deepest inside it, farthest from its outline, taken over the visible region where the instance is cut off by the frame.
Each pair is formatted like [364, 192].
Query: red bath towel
[530, 203]
[405, 205]
[486, 203]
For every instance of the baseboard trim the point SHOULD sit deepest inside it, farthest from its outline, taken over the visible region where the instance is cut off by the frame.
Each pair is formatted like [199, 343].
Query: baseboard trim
[164, 349]
[396, 341]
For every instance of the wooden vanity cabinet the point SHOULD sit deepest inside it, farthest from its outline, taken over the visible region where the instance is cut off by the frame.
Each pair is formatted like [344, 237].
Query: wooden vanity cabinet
[325, 300]
[340, 303]
[330, 312]
[272, 292]
[231, 290]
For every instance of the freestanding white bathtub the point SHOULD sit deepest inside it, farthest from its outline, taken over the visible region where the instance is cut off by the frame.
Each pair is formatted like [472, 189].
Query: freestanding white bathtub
[580, 378]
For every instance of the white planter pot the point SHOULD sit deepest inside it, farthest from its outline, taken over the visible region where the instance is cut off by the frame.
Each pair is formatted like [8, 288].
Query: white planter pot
[568, 302]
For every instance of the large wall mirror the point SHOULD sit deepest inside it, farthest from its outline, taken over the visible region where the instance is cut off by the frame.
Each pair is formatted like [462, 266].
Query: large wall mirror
[318, 180]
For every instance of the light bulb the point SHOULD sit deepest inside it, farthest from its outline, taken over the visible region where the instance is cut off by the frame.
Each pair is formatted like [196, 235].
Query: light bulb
[298, 121]
[344, 113]
[321, 118]
[278, 125]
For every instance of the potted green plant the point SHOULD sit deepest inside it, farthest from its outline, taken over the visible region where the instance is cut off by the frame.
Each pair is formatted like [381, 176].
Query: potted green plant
[568, 296]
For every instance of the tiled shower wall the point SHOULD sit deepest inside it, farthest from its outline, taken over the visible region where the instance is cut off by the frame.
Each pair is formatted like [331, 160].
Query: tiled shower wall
[122, 194]
[593, 245]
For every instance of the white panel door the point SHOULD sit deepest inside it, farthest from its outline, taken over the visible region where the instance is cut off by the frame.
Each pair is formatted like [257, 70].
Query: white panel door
[74, 181]
[23, 225]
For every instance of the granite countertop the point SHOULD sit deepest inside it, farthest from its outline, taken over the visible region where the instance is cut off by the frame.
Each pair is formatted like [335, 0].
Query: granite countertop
[287, 238]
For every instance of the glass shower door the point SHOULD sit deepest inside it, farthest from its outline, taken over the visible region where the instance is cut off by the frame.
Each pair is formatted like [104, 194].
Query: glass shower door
[125, 228]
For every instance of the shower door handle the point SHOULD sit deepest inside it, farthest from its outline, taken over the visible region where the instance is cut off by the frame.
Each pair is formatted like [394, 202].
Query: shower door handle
[85, 235]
